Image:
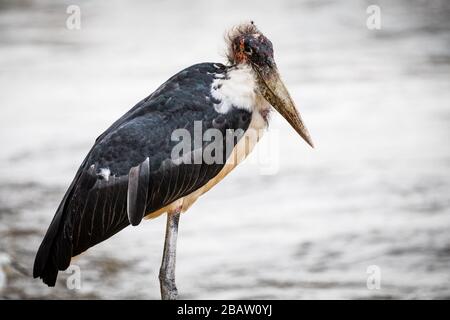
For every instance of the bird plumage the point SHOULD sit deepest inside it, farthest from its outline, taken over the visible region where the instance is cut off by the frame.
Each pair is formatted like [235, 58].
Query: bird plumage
[129, 172]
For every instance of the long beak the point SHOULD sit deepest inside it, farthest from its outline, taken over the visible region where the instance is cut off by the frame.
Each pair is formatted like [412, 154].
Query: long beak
[275, 92]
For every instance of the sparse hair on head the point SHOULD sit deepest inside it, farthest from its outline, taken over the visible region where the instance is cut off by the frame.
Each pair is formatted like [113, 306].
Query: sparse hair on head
[235, 32]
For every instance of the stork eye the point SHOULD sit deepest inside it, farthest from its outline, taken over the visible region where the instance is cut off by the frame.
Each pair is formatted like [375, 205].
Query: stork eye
[248, 50]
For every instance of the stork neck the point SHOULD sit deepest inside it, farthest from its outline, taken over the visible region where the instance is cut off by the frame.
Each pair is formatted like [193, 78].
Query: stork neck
[238, 88]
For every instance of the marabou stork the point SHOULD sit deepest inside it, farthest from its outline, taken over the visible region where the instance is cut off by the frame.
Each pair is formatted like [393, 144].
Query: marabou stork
[131, 173]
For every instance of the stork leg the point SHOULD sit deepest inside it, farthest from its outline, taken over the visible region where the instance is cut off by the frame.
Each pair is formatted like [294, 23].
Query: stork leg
[167, 272]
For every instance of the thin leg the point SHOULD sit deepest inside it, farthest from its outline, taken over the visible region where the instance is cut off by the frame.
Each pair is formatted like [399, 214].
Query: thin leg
[167, 272]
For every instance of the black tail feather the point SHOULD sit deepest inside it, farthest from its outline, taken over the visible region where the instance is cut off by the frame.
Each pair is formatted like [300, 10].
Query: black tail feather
[49, 258]
[55, 251]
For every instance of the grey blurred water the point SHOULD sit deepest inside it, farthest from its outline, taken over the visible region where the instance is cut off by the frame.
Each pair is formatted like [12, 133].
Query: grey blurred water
[375, 191]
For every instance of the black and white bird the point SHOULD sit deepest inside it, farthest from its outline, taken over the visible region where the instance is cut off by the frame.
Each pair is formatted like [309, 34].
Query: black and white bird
[131, 172]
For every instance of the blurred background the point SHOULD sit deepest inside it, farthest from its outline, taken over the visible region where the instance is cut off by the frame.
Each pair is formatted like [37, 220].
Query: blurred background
[375, 191]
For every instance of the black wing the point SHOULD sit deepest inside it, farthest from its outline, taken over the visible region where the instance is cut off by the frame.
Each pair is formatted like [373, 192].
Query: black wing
[129, 171]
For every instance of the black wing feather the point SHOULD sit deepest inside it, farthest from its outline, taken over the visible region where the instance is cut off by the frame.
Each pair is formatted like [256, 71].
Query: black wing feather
[138, 184]
[137, 151]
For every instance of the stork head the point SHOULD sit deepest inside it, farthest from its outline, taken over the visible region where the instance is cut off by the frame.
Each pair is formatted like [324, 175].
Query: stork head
[247, 45]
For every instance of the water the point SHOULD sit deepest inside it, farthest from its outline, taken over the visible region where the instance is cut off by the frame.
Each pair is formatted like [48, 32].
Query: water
[375, 191]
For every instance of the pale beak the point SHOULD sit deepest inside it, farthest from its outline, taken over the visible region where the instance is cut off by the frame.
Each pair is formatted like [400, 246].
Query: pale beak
[274, 91]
